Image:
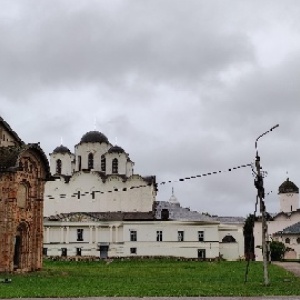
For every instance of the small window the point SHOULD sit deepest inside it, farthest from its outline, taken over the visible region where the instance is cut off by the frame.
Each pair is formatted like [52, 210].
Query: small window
[80, 235]
[91, 161]
[45, 251]
[201, 236]
[78, 195]
[64, 252]
[133, 236]
[115, 166]
[201, 253]
[79, 163]
[133, 251]
[298, 240]
[103, 163]
[180, 236]
[78, 251]
[58, 166]
[93, 195]
[287, 240]
[159, 236]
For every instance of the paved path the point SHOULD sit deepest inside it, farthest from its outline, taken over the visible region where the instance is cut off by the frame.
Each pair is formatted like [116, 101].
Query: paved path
[289, 266]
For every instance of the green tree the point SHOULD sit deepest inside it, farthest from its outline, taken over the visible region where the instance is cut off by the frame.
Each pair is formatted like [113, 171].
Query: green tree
[249, 237]
[277, 250]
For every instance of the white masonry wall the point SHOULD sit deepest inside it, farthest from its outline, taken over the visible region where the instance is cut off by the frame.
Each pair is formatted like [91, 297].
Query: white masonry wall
[116, 235]
[62, 197]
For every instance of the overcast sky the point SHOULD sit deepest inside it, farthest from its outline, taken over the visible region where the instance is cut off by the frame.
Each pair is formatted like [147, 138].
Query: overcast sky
[185, 87]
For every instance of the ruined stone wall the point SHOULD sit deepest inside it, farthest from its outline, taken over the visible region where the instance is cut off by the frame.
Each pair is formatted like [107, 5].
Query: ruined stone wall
[21, 216]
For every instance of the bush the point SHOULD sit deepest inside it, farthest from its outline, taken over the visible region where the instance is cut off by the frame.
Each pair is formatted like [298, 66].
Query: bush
[277, 250]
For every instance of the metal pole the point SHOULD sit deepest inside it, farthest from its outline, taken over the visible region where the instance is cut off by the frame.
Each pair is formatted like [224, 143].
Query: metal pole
[264, 229]
[259, 184]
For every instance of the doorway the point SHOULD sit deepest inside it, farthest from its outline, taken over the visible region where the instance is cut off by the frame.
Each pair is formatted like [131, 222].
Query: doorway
[103, 251]
[21, 253]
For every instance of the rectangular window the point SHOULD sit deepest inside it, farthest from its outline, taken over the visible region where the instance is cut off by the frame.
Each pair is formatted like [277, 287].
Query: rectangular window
[80, 235]
[180, 236]
[201, 236]
[201, 253]
[159, 236]
[78, 251]
[64, 252]
[79, 163]
[133, 251]
[133, 236]
[45, 251]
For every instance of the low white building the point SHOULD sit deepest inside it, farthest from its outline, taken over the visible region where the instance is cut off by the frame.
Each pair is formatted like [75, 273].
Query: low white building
[132, 234]
[97, 206]
[282, 226]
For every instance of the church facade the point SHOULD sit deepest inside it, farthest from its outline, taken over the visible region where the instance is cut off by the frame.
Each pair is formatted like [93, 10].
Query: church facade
[24, 169]
[97, 206]
[97, 177]
[283, 226]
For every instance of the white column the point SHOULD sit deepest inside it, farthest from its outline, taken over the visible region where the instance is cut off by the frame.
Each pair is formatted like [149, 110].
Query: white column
[67, 235]
[48, 235]
[91, 235]
[110, 234]
[61, 235]
[96, 234]
[117, 234]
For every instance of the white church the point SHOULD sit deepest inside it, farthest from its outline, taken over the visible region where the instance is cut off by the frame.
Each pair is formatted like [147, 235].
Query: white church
[97, 206]
[283, 226]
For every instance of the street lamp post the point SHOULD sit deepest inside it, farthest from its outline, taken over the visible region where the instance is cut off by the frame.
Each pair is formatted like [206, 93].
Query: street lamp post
[259, 184]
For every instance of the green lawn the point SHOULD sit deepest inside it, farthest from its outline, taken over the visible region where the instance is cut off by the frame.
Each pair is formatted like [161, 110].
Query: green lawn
[156, 277]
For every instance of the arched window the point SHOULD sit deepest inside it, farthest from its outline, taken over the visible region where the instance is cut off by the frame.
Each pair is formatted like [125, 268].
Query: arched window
[228, 239]
[103, 163]
[287, 240]
[91, 161]
[58, 166]
[22, 195]
[115, 166]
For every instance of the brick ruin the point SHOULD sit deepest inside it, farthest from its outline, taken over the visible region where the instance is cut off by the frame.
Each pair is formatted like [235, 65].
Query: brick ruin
[24, 169]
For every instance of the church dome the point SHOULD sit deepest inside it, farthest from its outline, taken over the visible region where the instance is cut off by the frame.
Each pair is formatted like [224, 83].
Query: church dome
[61, 149]
[288, 187]
[173, 199]
[94, 137]
[116, 149]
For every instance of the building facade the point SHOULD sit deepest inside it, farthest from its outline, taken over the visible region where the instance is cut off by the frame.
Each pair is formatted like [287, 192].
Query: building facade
[24, 169]
[282, 226]
[168, 230]
[97, 177]
[97, 206]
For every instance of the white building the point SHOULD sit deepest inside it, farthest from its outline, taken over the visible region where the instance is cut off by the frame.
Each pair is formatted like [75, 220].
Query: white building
[97, 206]
[98, 177]
[282, 226]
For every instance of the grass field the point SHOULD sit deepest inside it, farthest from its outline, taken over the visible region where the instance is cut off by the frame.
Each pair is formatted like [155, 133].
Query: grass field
[157, 277]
